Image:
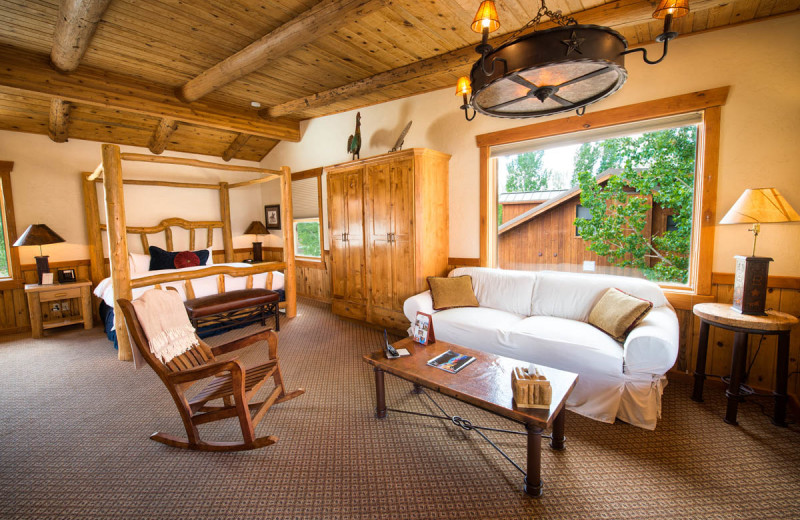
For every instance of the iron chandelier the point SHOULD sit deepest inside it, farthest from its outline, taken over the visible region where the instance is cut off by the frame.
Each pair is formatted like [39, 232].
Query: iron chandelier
[554, 70]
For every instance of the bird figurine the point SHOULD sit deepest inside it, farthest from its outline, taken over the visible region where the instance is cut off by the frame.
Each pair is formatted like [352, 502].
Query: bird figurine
[354, 142]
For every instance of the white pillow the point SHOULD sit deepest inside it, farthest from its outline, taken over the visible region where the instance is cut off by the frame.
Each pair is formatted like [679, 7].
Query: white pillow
[139, 263]
[210, 260]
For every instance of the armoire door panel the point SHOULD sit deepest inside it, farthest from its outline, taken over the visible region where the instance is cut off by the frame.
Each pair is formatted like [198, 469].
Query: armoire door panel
[354, 240]
[378, 205]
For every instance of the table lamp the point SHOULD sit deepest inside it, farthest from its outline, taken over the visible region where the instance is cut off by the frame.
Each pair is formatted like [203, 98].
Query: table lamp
[256, 228]
[39, 235]
[756, 206]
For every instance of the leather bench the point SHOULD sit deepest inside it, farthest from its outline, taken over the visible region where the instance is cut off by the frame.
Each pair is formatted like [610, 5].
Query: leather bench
[242, 307]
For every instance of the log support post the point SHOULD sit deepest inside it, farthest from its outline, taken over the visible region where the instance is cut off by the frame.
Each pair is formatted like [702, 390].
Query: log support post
[117, 242]
[290, 275]
[225, 216]
[92, 214]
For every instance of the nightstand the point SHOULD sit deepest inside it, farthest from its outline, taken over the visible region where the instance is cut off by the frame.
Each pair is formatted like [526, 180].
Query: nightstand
[67, 304]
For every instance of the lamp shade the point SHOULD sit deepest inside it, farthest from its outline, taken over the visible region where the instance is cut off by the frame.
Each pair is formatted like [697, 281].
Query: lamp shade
[463, 86]
[38, 235]
[761, 205]
[256, 227]
[676, 8]
[486, 17]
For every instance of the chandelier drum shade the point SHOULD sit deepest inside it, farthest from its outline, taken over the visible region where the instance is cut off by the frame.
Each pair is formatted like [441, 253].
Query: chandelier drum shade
[550, 71]
[539, 73]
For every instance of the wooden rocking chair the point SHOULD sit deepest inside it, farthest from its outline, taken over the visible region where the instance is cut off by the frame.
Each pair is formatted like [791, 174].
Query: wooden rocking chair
[234, 384]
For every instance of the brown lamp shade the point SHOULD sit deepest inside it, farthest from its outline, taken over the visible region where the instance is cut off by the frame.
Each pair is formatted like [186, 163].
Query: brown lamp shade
[676, 8]
[486, 17]
[38, 235]
[256, 227]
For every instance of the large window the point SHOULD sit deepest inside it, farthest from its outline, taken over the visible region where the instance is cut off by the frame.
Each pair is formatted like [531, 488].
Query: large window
[619, 184]
[9, 258]
[628, 190]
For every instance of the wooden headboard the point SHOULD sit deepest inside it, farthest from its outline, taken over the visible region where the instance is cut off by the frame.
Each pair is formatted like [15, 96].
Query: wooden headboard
[166, 226]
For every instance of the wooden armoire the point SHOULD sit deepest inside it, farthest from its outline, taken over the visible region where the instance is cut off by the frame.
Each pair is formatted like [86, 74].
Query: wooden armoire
[388, 220]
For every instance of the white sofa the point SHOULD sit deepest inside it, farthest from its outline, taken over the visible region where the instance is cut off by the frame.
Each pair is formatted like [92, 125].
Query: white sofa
[541, 317]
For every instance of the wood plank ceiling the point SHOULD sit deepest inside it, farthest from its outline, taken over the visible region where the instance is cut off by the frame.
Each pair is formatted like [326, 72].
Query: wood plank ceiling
[177, 75]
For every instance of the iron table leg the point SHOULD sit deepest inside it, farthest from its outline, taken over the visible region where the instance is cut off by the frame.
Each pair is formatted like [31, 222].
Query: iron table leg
[737, 374]
[558, 438]
[380, 394]
[781, 378]
[700, 368]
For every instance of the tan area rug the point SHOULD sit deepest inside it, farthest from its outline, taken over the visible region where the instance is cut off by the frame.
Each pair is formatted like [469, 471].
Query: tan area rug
[75, 422]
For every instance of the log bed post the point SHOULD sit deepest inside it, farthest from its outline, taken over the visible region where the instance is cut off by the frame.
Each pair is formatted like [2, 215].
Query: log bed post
[290, 275]
[117, 242]
[92, 212]
[225, 216]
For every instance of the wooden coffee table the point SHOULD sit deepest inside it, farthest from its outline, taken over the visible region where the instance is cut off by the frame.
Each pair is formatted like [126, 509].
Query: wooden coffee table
[485, 383]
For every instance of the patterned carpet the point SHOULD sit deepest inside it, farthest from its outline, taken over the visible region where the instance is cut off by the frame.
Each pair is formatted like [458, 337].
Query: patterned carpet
[75, 422]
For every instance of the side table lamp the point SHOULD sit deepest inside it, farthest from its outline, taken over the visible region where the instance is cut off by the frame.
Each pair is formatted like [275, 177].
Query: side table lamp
[755, 206]
[256, 228]
[39, 235]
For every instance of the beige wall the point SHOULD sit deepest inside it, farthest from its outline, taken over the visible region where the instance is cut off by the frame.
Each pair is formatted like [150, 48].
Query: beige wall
[760, 128]
[47, 189]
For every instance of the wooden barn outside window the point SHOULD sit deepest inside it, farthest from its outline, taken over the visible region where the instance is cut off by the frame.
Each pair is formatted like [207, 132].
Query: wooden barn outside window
[705, 103]
[10, 274]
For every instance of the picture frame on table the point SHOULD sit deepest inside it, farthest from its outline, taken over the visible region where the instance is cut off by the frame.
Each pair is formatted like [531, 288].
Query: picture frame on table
[272, 216]
[67, 276]
[422, 330]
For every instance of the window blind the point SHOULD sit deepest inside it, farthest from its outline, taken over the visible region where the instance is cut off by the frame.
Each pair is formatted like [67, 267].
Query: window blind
[305, 200]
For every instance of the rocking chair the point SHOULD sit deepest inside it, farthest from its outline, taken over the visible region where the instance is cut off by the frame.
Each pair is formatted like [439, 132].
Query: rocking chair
[232, 383]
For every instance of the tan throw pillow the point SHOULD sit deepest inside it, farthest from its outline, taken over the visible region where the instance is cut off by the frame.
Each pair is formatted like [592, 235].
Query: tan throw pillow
[617, 313]
[449, 293]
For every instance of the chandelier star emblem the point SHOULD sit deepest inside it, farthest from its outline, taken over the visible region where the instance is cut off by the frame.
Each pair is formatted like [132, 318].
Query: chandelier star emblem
[573, 44]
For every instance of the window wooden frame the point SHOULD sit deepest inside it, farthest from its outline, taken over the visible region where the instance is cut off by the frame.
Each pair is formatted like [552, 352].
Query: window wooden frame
[14, 281]
[311, 261]
[708, 102]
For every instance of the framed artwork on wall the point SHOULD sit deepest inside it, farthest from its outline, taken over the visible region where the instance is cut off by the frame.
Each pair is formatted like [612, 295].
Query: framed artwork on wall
[272, 216]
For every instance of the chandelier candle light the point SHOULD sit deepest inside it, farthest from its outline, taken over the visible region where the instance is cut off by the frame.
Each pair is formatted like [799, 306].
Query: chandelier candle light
[755, 206]
[546, 72]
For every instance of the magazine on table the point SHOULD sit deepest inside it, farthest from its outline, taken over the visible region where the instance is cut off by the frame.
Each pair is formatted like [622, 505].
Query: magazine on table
[451, 361]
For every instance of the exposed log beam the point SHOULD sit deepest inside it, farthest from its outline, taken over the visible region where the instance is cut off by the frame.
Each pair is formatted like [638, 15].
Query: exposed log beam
[158, 141]
[614, 14]
[31, 72]
[58, 128]
[77, 21]
[234, 147]
[322, 19]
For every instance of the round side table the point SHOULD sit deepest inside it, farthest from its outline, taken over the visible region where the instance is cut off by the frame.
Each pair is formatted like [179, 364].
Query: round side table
[723, 316]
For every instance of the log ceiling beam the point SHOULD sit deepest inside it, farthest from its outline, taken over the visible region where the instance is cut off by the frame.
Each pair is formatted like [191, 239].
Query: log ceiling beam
[75, 26]
[58, 127]
[31, 72]
[613, 14]
[158, 141]
[324, 18]
[234, 147]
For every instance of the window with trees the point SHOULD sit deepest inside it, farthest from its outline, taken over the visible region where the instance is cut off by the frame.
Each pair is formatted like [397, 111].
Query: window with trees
[624, 191]
[306, 214]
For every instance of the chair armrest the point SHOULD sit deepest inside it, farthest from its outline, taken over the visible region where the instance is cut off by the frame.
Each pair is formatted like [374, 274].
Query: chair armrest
[421, 302]
[652, 347]
[212, 369]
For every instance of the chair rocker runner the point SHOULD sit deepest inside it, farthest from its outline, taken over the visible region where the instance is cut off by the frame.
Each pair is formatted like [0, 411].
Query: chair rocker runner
[233, 384]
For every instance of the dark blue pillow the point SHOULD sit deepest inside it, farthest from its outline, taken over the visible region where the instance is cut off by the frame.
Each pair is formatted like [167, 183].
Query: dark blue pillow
[160, 259]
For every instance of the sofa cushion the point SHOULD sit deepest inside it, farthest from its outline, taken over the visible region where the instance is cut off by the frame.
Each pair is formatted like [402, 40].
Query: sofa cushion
[475, 327]
[510, 291]
[572, 295]
[617, 313]
[565, 344]
[451, 293]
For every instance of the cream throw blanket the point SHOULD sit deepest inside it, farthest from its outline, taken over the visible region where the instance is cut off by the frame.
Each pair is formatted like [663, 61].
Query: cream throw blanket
[165, 323]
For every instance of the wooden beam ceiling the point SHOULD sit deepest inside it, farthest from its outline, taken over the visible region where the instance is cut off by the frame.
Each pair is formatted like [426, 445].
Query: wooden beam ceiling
[237, 144]
[75, 26]
[160, 138]
[59, 120]
[29, 71]
[615, 14]
[324, 18]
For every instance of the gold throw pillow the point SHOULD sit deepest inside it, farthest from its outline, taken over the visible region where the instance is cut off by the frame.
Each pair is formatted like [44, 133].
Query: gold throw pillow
[617, 313]
[449, 293]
